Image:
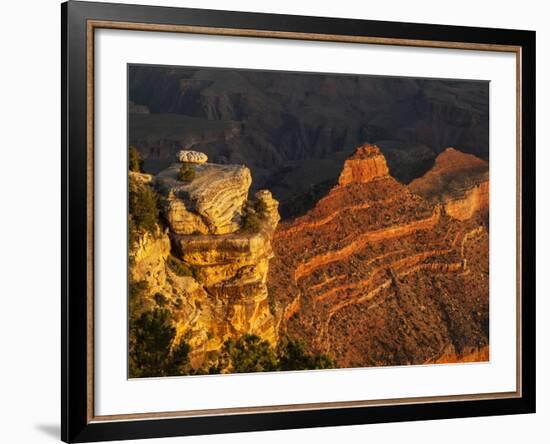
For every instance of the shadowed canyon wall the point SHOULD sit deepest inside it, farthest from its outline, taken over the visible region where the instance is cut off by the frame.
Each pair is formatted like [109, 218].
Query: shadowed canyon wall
[284, 125]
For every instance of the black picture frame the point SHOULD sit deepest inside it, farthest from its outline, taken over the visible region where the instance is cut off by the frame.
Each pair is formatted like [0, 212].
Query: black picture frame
[76, 423]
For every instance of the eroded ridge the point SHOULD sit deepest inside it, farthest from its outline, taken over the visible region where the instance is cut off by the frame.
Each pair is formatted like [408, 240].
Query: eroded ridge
[375, 274]
[205, 265]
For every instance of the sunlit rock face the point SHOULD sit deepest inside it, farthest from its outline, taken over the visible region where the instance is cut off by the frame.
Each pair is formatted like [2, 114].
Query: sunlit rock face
[379, 273]
[376, 273]
[211, 203]
[473, 200]
[367, 163]
[224, 240]
[459, 181]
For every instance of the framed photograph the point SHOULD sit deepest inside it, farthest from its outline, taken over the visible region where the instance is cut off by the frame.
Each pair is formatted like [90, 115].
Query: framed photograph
[276, 221]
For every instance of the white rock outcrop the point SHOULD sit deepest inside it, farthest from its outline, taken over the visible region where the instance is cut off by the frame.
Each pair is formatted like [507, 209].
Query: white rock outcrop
[192, 156]
[210, 203]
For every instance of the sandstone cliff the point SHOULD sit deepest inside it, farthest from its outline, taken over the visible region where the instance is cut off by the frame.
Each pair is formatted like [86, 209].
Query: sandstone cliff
[211, 203]
[375, 274]
[209, 266]
[366, 163]
[459, 181]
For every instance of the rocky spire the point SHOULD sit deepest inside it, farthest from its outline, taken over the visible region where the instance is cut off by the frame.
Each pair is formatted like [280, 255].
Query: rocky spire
[366, 163]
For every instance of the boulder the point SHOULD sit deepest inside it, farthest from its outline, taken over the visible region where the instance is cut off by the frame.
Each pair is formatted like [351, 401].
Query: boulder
[192, 156]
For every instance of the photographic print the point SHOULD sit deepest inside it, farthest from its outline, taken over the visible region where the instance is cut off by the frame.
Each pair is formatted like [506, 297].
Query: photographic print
[282, 221]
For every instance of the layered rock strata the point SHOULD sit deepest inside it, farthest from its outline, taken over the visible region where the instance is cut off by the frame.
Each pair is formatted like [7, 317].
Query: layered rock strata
[375, 274]
[211, 203]
[459, 181]
[209, 266]
[366, 164]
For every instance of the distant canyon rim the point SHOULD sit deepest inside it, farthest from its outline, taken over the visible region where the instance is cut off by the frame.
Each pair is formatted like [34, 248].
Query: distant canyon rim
[294, 131]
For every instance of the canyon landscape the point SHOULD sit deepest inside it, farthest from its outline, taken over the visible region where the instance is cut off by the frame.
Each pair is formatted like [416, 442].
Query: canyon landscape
[295, 221]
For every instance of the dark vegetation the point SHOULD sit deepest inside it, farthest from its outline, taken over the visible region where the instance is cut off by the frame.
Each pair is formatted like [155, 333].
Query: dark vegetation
[260, 207]
[135, 162]
[272, 304]
[252, 222]
[250, 354]
[179, 268]
[186, 173]
[253, 218]
[293, 356]
[136, 292]
[143, 210]
[151, 351]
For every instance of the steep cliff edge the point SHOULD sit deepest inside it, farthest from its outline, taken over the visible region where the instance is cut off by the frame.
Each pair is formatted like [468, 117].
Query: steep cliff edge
[459, 181]
[375, 274]
[208, 267]
[366, 163]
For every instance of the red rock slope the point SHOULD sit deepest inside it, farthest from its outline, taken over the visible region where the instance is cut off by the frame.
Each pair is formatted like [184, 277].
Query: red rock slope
[377, 275]
[460, 181]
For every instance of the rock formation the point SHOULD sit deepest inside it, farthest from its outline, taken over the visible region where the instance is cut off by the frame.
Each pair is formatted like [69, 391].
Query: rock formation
[192, 156]
[460, 181]
[471, 201]
[375, 274]
[366, 164]
[286, 125]
[209, 266]
[211, 203]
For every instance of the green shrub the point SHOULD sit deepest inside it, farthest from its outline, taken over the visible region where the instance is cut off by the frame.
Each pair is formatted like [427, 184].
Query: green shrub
[250, 354]
[136, 293]
[260, 207]
[135, 162]
[137, 288]
[179, 268]
[143, 209]
[293, 356]
[252, 223]
[151, 354]
[160, 299]
[186, 173]
[178, 362]
[253, 219]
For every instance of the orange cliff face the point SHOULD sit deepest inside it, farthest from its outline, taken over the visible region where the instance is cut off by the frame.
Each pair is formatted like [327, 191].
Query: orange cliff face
[474, 199]
[459, 181]
[377, 275]
[366, 164]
